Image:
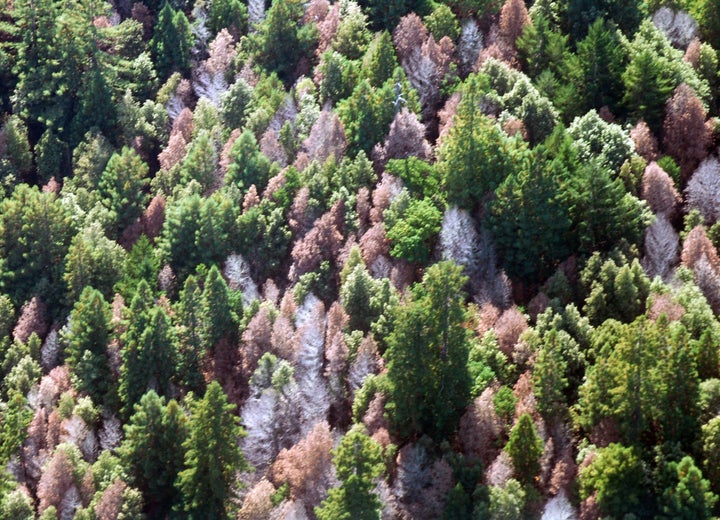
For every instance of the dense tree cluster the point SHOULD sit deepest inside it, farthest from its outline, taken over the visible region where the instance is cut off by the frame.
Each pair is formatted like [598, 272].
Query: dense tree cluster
[399, 259]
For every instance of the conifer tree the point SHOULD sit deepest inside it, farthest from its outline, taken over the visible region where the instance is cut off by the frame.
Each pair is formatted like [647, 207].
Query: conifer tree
[191, 345]
[217, 317]
[152, 451]
[172, 42]
[122, 187]
[525, 448]
[358, 462]
[427, 356]
[87, 339]
[212, 456]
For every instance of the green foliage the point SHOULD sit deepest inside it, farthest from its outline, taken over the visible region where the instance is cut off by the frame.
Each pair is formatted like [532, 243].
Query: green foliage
[200, 161]
[15, 417]
[549, 381]
[617, 478]
[86, 341]
[442, 22]
[172, 42]
[248, 165]
[598, 140]
[282, 40]
[191, 344]
[626, 15]
[616, 290]
[122, 187]
[385, 14]
[358, 462]
[691, 496]
[654, 70]
[227, 14]
[711, 451]
[475, 156]
[149, 361]
[525, 448]
[366, 115]
[427, 356]
[35, 233]
[16, 506]
[379, 61]
[530, 221]
[506, 503]
[93, 260]
[217, 318]
[420, 177]
[413, 234]
[212, 456]
[236, 104]
[264, 238]
[152, 451]
[504, 403]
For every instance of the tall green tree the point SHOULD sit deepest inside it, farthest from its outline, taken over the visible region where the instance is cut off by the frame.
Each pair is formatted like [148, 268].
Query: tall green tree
[35, 232]
[87, 339]
[217, 316]
[191, 345]
[212, 456]
[172, 42]
[152, 451]
[475, 155]
[525, 448]
[690, 497]
[122, 187]
[427, 356]
[358, 462]
[530, 219]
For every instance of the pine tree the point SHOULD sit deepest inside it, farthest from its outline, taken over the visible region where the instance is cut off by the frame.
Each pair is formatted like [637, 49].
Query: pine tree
[212, 456]
[358, 462]
[691, 496]
[87, 339]
[379, 61]
[152, 451]
[248, 165]
[427, 356]
[525, 448]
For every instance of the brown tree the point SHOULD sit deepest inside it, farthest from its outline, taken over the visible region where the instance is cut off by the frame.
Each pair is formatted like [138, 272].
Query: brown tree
[646, 146]
[685, 136]
[109, 506]
[658, 189]
[327, 137]
[306, 467]
[513, 19]
[33, 319]
[405, 139]
[696, 245]
[322, 242]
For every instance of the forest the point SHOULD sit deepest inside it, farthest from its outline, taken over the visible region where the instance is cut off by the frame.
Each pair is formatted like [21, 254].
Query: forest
[361, 260]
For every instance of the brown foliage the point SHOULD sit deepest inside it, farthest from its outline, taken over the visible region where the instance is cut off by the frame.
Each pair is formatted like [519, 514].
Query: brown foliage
[322, 242]
[52, 186]
[225, 157]
[256, 340]
[685, 136]
[327, 137]
[513, 127]
[316, 11]
[153, 217]
[658, 189]
[508, 328]
[446, 114]
[272, 149]
[258, 502]
[696, 245]
[33, 318]
[692, 53]
[327, 28]
[282, 336]
[301, 217]
[306, 466]
[108, 508]
[589, 508]
[513, 19]
[142, 14]
[374, 245]
[222, 53]
[226, 367]
[664, 304]
[410, 34]
[385, 191]
[525, 395]
[274, 184]
[183, 124]
[405, 139]
[374, 418]
[174, 152]
[55, 482]
[251, 198]
[479, 427]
